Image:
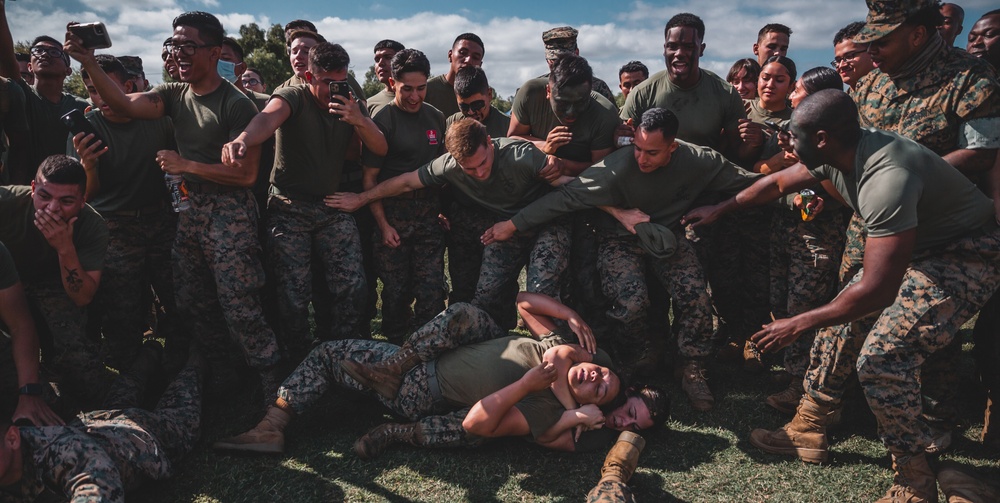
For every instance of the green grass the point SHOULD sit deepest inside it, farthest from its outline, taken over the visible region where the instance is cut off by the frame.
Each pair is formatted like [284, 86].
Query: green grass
[698, 457]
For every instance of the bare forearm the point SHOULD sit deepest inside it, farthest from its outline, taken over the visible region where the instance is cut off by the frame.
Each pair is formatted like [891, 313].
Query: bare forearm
[485, 417]
[369, 181]
[77, 283]
[93, 180]
[23, 337]
[242, 176]
[855, 302]
[972, 162]
[8, 62]
[392, 187]
[567, 421]
[573, 168]
[372, 137]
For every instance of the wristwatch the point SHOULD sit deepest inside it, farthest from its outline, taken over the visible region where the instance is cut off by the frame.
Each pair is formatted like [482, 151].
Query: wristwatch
[31, 389]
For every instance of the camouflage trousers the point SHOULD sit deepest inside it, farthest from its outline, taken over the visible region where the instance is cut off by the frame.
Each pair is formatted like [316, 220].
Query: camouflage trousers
[465, 258]
[739, 276]
[623, 264]
[544, 252]
[174, 425]
[138, 258]
[610, 491]
[458, 325]
[940, 291]
[415, 269]
[300, 230]
[68, 356]
[854, 249]
[217, 276]
[804, 265]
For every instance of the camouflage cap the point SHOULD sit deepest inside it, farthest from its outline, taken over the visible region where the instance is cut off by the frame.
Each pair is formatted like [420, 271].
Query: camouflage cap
[559, 41]
[132, 64]
[884, 16]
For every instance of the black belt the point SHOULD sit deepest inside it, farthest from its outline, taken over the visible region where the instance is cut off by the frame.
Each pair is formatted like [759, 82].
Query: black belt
[296, 196]
[210, 187]
[433, 385]
[145, 211]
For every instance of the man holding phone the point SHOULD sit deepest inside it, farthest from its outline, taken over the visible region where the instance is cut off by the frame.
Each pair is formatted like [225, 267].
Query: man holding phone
[313, 125]
[216, 256]
[45, 101]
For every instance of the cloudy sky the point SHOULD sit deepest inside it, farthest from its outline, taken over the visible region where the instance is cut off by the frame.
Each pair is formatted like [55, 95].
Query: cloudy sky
[611, 33]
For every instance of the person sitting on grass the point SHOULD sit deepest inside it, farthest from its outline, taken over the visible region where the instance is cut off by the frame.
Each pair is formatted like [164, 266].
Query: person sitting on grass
[457, 359]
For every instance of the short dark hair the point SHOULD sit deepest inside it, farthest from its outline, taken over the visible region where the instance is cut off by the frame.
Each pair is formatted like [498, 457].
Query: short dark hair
[471, 37]
[783, 61]
[819, 78]
[22, 57]
[994, 12]
[235, 46]
[634, 66]
[848, 32]
[831, 110]
[300, 24]
[471, 80]
[303, 33]
[464, 137]
[660, 119]
[773, 28]
[749, 64]
[50, 40]
[328, 57]
[388, 44]
[209, 27]
[410, 60]
[111, 66]
[929, 17]
[568, 69]
[258, 72]
[686, 19]
[63, 170]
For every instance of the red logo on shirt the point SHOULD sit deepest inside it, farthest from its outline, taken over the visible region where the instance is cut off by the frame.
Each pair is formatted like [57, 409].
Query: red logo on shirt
[432, 137]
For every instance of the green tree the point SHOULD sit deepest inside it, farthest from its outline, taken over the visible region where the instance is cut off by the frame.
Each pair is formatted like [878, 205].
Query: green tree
[502, 105]
[620, 100]
[74, 85]
[371, 85]
[266, 52]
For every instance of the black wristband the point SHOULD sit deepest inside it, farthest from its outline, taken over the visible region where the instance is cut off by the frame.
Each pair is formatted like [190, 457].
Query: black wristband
[31, 389]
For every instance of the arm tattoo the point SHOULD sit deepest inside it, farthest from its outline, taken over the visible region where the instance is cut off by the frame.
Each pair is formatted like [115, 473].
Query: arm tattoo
[73, 280]
[154, 98]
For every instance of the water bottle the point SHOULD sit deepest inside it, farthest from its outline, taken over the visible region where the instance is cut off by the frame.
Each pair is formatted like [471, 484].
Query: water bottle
[178, 192]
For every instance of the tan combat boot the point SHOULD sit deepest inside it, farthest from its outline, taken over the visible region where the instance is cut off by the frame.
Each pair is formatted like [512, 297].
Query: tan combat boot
[914, 481]
[960, 485]
[804, 437]
[373, 443]
[386, 376]
[623, 457]
[267, 437]
[787, 400]
[695, 386]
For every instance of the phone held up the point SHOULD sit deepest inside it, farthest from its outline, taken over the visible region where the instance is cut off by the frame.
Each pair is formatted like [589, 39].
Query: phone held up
[77, 123]
[94, 35]
[340, 88]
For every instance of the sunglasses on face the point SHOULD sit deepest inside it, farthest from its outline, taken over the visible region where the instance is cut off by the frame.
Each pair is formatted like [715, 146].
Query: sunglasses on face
[475, 106]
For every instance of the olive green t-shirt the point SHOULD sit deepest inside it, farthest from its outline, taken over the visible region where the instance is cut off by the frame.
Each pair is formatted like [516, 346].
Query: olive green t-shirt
[8, 272]
[129, 174]
[36, 260]
[760, 114]
[898, 184]
[497, 124]
[414, 139]
[356, 88]
[470, 373]
[203, 124]
[15, 119]
[310, 145]
[513, 180]
[594, 128]
[664, 194]
[703, 111]
[379, 100]
[46, 133]
[441, 94]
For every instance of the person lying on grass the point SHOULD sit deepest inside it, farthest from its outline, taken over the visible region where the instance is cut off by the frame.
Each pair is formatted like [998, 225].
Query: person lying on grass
[457, 359]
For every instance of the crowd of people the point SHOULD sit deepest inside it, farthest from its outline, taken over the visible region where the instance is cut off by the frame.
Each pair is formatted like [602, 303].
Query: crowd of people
[706, 220]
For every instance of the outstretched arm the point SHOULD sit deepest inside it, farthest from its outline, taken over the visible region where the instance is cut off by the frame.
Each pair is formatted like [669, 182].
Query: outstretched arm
[538, 310]
[24, 341]
[350, 202]
[147, 105]
[764, 190]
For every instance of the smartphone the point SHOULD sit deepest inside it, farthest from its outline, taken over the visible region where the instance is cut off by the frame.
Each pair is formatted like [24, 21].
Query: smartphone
[340, 87]
[94, 35]
[773, 126]
[77, 123]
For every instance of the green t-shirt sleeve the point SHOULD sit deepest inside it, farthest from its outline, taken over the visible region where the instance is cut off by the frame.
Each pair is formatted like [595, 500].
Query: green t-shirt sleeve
[8, 272]
[590, 189]
[521, 108]
[730, 178]
[888, 201]
[239, 112]
[436, 171]
[170, 93]
[289, 96]
[92, 240]
[541, 410]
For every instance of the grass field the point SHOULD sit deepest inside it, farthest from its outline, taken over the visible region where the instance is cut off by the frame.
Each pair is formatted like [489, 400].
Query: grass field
[697, 457]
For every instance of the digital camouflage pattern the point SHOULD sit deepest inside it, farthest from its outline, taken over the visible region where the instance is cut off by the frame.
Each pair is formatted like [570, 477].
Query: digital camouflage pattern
[138, 258]
[102, 454]
[543, 251]
[415, 269]
[931, 106]
[610, 491]
[854, 249]
[67, 354]
[217, 277]
[298, 230]
[623, 264]
[804, 267]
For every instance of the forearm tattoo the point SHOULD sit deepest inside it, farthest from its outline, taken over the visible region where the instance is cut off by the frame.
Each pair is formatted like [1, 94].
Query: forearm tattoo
[73, 280]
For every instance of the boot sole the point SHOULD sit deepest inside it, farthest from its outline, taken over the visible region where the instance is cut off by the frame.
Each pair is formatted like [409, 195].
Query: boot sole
[258, 448]
[815, 456]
